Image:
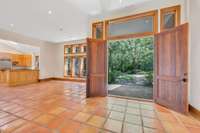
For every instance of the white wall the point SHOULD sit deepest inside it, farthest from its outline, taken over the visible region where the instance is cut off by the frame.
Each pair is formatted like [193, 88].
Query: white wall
[195, 53]
[47, 54]
[7, 49]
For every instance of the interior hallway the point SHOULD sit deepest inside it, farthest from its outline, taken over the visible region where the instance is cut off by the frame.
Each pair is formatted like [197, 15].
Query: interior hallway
[61, 107]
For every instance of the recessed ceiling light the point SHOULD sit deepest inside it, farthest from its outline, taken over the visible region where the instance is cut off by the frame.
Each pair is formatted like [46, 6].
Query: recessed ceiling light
[49, 12]
[11, 25]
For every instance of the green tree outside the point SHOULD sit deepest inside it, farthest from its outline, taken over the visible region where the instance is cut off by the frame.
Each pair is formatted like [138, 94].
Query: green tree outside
[131, 56]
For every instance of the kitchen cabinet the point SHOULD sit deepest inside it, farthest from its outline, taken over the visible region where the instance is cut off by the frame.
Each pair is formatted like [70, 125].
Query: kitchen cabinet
[18, 77]
[22, 60]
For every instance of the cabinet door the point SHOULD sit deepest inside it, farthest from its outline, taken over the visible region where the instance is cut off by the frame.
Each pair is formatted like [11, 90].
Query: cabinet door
[28, 60]
[16, 59]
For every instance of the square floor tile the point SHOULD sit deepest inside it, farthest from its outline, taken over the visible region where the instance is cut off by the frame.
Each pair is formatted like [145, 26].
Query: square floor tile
[133, 119]
[57, 110]
[32, 115]
[113, 125]
[116, 115]
[10, 127]
[70, 127]
[149, 113]
[96, 121]
[68, 114]
[152, 123]
[26, 128]
[3, 114]
[7, 119]
[146, 107]
[88, 129]
[44, 119]
[167, 117]
[134, 111]
[150, 130]
[56, 123]
[82, 117]
[130, 128]
[89, 109]
[102, 112]
[171, 127]
[133, 105]
[118, 108]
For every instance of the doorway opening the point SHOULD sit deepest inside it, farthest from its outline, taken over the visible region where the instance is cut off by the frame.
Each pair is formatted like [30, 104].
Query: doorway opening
[130, 67]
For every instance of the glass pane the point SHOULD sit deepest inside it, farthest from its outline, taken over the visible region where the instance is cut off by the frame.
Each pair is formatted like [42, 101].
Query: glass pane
[169, 21]
[135, 26]
[77, 49]
[67, 50]
[77, 66]
[84, 49]
[68, 65]
[99, 30]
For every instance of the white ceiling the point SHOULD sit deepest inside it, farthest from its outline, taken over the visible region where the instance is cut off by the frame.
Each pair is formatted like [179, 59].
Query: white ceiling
[13, 47]
[68, 21]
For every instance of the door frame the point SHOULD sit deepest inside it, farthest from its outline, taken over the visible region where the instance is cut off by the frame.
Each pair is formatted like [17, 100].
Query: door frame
[154, 14]
[127, 37]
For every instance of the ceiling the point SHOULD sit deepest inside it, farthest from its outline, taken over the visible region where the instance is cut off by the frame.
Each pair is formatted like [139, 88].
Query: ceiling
[14, 47]
[55, 20]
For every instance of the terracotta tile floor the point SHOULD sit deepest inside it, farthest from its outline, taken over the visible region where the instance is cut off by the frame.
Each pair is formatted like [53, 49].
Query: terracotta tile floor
[61, 107]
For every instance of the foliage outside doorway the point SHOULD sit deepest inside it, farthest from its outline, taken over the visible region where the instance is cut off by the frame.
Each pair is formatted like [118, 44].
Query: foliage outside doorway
[131, 67]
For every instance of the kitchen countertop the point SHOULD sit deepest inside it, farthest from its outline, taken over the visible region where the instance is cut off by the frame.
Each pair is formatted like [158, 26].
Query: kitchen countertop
[20, 70]
[24, 70]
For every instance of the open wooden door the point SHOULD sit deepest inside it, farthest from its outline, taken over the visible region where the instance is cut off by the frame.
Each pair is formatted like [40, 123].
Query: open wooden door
[171, 68]
[97, 68]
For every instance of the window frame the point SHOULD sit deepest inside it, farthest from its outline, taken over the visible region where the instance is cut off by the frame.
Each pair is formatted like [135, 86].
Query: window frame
[72, 55]
[153, 13]
[175, 10]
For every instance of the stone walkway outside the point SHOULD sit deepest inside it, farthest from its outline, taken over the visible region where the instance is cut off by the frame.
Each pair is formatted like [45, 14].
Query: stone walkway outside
[134, 89]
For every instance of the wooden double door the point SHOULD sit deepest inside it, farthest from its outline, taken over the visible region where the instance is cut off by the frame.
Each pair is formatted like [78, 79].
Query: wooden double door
[171, 68]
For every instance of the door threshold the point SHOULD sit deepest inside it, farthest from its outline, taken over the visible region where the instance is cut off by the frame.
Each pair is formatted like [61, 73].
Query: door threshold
[131, 98]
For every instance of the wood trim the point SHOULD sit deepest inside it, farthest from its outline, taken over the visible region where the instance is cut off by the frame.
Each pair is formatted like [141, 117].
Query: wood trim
[45, 79]
[63, 79]
[70, 79]
[153, 13]
[106, 23]
[194, 112]
[94, 25]
[174, 9]
[135, 16]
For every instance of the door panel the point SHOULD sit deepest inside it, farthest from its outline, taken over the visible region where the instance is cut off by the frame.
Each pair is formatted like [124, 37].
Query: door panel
[171, 63]
[97, 68]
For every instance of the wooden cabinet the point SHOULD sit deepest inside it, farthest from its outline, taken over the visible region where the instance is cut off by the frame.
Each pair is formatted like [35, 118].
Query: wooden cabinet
[22, 77]
[19, 77]
[28, 60]
[22, 60]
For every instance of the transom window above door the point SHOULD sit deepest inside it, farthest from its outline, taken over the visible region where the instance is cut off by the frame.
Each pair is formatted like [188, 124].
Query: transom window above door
[169, 17]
